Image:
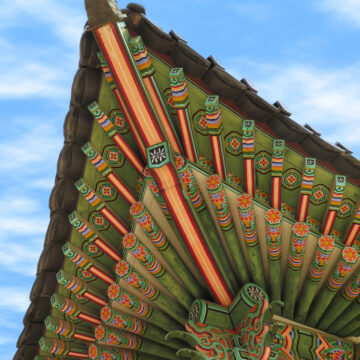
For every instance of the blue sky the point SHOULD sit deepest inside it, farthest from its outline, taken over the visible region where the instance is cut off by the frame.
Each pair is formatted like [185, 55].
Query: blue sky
[303, 53]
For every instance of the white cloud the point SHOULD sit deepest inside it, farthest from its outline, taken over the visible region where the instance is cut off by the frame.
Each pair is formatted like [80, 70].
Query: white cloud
[344, 10]
[252, 10]
[327, 99]
[15, 298]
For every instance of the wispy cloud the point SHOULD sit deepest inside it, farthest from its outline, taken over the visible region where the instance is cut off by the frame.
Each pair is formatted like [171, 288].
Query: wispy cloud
[255, 11]
[343, 10]
[327, 99]
[14, 297]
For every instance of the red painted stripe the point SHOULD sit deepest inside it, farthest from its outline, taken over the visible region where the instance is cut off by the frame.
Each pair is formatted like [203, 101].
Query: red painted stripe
[329, 223]
[101, 275]
[303, 207]
[83, 337]
[107, 250]
[353, 233]
[89, 318]
[119, 226]
[78, 355]
[122, 188]
[131, 123]
[249, 177]
[140, 95]
[129, 153]
[149, 83]
[217, 154]
[276, 192]
[185, 135]
[94, 298]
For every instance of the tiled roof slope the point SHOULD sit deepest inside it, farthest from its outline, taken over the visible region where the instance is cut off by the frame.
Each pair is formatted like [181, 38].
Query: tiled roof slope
[77, 130]
[63, 198]
[239, 94]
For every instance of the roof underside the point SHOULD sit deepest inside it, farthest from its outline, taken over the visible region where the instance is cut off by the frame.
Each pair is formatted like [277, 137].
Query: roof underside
[332, 210]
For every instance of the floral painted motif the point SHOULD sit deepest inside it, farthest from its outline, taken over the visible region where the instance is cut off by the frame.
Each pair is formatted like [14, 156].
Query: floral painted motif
[117, 117]
[91, 249]
[106, 191]
[99, 332]
[262, 197]
[233, 180]
[273, 217]
[122, 268]
[297, 245]
[291, 179]
[219, 201]
[288, 211]
[322, 254]
[319, 194]
[263, 162]
[93, 352]
[233, 143]
[314, 224]
[206, 164]
[189, 183]
[200, 123]
[346, 208]
[98, 221]
[244, 201]
[105, 313]
[86, 275]
[169, 100]
[113, 291]
[113, 156]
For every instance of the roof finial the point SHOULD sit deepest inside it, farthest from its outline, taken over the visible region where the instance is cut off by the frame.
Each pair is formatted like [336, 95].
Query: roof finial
[101, 12]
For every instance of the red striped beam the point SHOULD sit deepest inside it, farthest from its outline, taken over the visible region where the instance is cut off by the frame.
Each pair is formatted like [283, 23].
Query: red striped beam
[248, 143]
[277, 164]
[72, 309]
[354, 228]
[335, 201]
[113, 134]
[105, 169]
[82, 261]
[105, 68]
[111, 40]
[146, 70]
[180, 99]
[92, 236]
[214, 128]
[61, 348]
[66, 329]
[76, 286]
[306, 188]
[100, 206]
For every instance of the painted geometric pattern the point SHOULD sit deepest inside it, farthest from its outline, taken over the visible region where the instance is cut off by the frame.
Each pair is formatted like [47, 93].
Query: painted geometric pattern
[346, 208]
[91, 249]
[233, 143]
[86, 275]
[169, 100]
[118, 119]
[113, 156]
[291, 179]
[106, 191]
[200, 123]
[98, 221]
[319, 194]
[263, 162]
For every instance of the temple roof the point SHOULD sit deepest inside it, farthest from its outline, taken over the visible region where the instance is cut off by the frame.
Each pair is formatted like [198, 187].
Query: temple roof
[208, 75]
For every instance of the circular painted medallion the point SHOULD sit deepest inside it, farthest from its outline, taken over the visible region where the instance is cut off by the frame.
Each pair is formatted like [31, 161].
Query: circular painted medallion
[319, 194]
[200, 123]
[346, 208]
[113, 156]
[291, 179]
[233, 143]
[118, 119]
[263, 162]
[99, 221]
[106, 191]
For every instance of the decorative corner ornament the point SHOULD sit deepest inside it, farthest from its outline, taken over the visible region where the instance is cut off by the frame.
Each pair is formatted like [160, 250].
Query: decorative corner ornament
[158, 155]
[102, 12]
